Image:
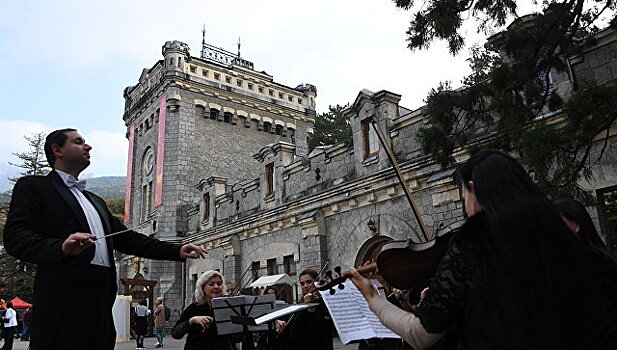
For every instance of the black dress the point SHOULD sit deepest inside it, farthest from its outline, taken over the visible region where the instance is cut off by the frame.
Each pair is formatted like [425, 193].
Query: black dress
[472, 293]
[310, 330]
[198, 338]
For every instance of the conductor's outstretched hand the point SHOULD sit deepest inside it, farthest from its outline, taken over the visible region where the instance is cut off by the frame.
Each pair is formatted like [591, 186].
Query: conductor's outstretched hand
[191, 251]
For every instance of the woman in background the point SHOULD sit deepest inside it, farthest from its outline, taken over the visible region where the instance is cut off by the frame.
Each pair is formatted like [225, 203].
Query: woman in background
[604, 273]
[159, 321]
[312, 328]
[197, 320]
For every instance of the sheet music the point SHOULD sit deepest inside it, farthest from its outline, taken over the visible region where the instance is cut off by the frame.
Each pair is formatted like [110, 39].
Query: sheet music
[284, 311]
[352, 317]
[225, 307]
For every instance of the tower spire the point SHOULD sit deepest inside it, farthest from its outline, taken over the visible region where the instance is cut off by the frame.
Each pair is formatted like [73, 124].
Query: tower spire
[203, 35]
[238, 46]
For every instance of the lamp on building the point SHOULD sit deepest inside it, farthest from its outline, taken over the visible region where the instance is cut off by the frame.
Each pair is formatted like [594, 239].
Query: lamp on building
[371, 225]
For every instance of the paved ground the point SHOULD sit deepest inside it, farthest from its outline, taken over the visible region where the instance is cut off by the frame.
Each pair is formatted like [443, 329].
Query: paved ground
[170, 344]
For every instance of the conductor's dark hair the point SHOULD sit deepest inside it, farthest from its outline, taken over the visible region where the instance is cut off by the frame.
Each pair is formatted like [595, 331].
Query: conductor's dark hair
[9, 305]
[57, 137]
[143, 302]
[533, 259]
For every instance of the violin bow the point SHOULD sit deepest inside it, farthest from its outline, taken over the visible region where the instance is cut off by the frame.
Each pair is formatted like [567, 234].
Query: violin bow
[399, 174]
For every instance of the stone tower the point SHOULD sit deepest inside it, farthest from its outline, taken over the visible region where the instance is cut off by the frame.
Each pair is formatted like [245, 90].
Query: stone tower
[191, 117]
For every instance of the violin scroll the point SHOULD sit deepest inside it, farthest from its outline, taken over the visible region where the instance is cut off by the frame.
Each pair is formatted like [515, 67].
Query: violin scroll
[338, 280]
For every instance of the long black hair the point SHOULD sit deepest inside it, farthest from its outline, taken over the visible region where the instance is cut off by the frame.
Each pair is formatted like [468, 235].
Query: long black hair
[534, 268]
[575, 211]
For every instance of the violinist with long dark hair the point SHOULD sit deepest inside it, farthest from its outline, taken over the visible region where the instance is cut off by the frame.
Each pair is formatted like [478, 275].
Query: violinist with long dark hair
[312, 328]
[604, 271]
[514, 277]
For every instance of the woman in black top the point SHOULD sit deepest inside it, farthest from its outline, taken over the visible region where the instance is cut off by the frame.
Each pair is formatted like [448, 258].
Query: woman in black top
[604, 273]
[197, 319]
[310, 329]
[514, 278]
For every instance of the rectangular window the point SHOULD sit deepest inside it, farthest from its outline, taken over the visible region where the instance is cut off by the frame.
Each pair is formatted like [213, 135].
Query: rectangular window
[146, 199]
[299, 100]
[193, 281]
[289, 265]
[261, 89]
[228, 80]
[217, 76]
[281, 95]
[607, 200]
[204, 72]
[272, 267]
[250, 86]
[270, 92]
[371, 141]
[206, 206]
[255, 270]
[290, 98]
[193, 69]
[239, 83]
[270, 179]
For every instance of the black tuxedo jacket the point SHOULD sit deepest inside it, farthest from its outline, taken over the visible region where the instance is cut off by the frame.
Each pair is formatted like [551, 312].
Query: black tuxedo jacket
[42, 215]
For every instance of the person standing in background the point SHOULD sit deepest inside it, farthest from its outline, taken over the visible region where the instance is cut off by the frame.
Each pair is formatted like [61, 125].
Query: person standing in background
[24, 325]
[159, 321]
[141, 324]
[10, 324]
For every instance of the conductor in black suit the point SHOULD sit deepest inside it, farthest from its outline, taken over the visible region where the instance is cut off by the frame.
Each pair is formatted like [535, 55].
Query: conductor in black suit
[57, 225]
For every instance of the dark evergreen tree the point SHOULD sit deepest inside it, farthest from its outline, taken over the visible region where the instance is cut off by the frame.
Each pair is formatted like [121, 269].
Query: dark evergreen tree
[17, 276]
[330, 128]
[508, 101]
[32, 161]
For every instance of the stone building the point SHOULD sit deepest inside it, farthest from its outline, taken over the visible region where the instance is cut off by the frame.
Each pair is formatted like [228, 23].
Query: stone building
[190, 116]
[218, 157]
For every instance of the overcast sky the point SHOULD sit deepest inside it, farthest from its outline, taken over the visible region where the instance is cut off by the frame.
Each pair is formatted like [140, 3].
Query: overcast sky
[65, 63]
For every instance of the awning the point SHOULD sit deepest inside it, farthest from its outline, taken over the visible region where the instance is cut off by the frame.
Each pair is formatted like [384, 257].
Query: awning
[265, 281]
[17, 304]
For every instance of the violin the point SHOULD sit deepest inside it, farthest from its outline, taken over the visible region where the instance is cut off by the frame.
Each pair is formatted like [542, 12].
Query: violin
[402, 264]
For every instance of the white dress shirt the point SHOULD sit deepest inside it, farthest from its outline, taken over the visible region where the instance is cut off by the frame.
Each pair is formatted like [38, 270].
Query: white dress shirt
[94, 221]
[11, 317]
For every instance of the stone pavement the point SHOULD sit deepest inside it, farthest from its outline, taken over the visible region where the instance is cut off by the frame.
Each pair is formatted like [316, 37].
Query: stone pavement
[171, 344]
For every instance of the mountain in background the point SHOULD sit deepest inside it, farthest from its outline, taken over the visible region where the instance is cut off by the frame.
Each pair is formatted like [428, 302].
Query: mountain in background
[107, 187]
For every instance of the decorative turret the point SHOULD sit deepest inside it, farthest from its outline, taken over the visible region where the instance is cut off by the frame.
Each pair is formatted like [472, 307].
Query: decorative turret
[176, 54]
[310, 91]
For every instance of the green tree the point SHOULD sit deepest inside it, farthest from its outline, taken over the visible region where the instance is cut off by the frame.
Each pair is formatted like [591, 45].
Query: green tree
[506, 100]
[17, 276]
[32, 161]
[116, 207]
[330, 128]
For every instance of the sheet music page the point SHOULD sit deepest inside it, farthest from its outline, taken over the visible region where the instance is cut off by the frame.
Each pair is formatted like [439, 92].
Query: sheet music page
[284, 311]
[346, 312]
[352, 317]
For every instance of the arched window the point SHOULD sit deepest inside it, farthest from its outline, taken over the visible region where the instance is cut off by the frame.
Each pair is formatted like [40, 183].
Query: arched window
[147, 182]
[200, 111]
[279, 130]
[214, 114]
[267, 127]
[227, 117]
